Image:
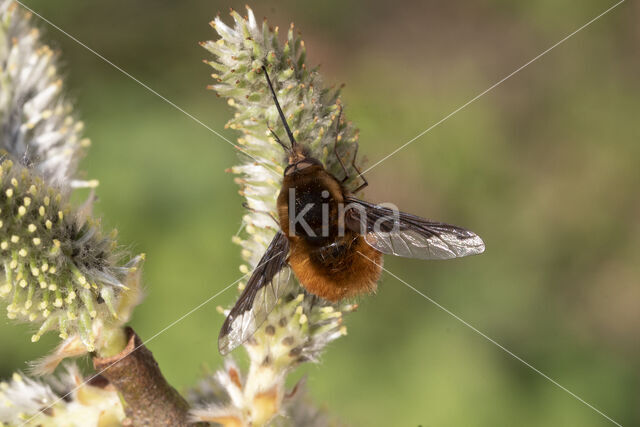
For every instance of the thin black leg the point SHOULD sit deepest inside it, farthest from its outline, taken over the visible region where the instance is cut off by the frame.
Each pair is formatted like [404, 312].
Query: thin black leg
[335, 148]
[365, 183]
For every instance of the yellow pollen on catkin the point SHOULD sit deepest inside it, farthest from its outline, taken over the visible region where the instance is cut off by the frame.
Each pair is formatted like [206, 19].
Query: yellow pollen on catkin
[22, 210]
[36, 241]
[15, 239]
[60, 215]
[41, 210]
[32, 228]
[48, 224]
[4, 245]
[14, 182]
[46, 200]
[27, 201]
[22, 252]
[9, 192]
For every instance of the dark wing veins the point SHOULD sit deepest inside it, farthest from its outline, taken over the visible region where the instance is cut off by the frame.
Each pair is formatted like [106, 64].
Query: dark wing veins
[268, 282]
[402, 234]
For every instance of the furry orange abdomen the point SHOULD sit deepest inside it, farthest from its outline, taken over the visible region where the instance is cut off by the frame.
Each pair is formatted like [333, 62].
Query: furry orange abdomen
[353, 273]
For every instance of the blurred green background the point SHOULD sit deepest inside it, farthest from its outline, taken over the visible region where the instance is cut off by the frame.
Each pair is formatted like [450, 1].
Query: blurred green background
[545, 168]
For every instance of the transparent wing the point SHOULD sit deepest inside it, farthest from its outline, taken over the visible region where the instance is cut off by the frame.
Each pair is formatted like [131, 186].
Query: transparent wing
[401, 234]
[269, 281]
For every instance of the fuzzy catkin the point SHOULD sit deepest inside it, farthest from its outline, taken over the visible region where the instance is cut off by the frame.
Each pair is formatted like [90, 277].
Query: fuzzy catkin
[59, 270]
[300, 326]
[312, 112]
[70, 401]
[38, 127]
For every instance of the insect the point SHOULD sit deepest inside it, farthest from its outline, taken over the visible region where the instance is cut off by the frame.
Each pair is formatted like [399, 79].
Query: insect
[332, 241]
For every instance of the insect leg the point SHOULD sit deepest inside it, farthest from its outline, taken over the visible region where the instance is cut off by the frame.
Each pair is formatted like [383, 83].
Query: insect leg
[314, 300]
[335, 147]
[365, 183]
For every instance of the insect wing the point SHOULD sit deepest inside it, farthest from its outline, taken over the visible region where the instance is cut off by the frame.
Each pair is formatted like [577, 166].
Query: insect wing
[269, 281]
[401, 234]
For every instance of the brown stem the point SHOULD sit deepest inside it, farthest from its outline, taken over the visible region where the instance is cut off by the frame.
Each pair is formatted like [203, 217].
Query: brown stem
[150, 400]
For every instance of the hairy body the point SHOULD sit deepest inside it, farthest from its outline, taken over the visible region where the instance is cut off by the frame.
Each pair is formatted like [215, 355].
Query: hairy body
[329, 263]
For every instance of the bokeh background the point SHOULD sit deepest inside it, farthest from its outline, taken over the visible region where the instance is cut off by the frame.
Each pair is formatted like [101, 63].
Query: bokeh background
[545, 168]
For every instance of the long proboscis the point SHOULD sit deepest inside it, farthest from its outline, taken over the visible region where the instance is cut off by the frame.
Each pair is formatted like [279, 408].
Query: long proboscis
[284, 120]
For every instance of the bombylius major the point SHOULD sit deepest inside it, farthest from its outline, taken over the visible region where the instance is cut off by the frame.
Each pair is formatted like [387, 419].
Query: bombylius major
[334, 243]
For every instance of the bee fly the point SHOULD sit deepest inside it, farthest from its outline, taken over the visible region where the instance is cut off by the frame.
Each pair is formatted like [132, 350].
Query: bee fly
[332, 241]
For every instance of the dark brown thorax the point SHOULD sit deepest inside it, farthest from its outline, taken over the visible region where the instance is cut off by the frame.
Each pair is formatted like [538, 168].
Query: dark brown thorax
[309, 203]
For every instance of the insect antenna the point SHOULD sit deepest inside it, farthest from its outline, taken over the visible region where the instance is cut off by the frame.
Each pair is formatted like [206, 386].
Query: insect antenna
[275, 99]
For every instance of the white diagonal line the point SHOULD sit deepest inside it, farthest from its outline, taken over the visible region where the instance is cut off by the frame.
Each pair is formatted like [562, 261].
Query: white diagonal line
[494, 86]
[151, 339]
[491, 340]
[143, 343]
[144, 85]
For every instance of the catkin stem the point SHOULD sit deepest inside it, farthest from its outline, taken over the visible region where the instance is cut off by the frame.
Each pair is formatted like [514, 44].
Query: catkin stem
[151, 401]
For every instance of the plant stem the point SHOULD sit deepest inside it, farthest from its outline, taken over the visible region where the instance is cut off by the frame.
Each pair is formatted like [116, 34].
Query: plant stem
[150, 400]
[114, 342]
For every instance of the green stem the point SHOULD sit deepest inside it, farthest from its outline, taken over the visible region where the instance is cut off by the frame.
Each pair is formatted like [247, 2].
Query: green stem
[114, 341]
[150, 400]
